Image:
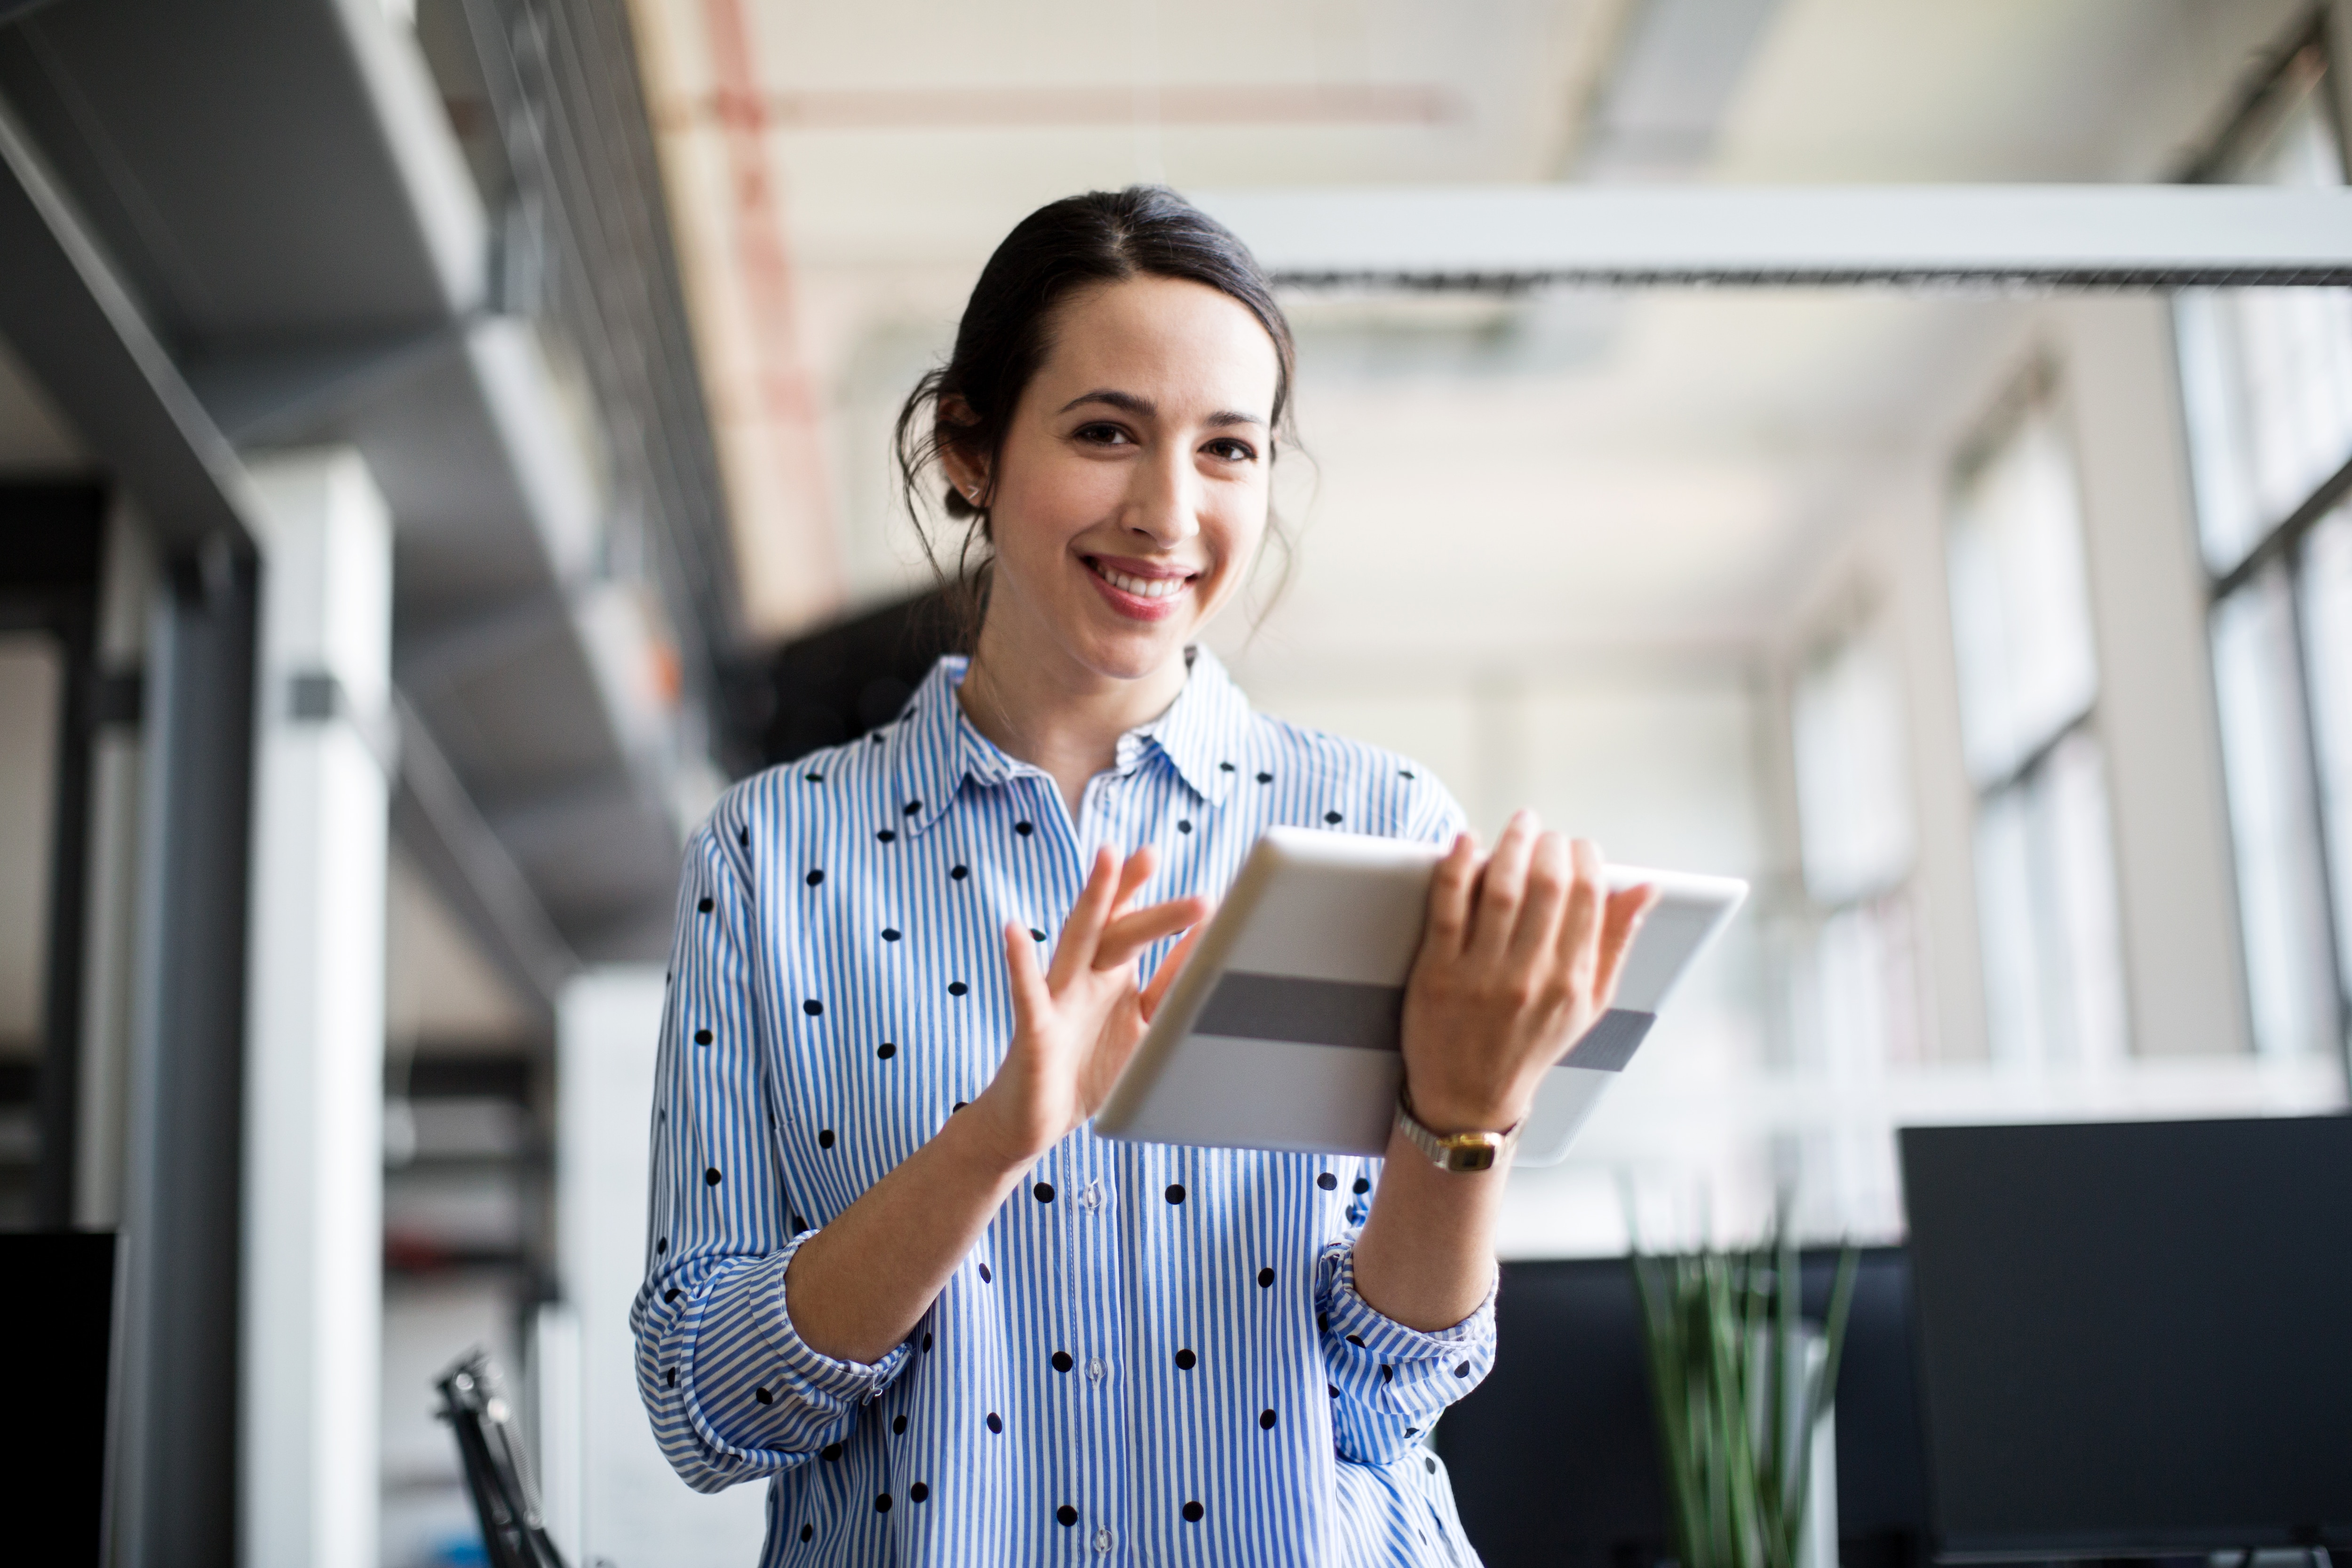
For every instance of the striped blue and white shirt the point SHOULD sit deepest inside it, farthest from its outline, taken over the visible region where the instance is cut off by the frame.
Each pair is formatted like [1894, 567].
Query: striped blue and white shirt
[1155, 1353]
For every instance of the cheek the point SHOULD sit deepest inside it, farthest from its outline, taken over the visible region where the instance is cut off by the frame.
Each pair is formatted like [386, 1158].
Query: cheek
[1050, 500]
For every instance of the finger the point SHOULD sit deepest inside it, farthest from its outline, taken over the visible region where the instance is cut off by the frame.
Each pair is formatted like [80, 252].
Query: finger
[1579, 926]
[1502, 889]
[1031, 999]
[1628, 908]
[1447, 931]
[1131, 933]
[1170, 968]
[1075, 950]
[1133, 875]
[1551, 872]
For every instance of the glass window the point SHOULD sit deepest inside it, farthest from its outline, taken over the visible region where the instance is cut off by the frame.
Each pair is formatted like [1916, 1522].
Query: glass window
[1854, 803]
[2029, 680]
[2266, 386]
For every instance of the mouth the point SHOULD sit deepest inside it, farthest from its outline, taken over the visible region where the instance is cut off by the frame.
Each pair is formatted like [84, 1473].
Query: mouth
[1147, 595]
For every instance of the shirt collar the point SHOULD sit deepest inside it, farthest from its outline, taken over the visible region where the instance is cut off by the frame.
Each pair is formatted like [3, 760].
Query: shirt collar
[933, 748]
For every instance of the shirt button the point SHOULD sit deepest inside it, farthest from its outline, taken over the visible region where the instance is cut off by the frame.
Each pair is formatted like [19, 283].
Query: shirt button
[1092, 1197]
[1095, 1371]
[1102, 1540]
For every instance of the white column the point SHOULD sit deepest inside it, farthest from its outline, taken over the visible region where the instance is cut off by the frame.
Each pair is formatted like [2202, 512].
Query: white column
[314, 1031]
[630, 1505]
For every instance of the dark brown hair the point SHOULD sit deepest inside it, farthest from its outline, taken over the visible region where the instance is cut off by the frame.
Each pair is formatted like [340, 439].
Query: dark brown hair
[1102, 237]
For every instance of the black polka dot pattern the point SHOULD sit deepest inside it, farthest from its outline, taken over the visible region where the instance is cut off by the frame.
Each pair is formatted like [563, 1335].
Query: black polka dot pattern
[1186, 1360]
[1043, 1192]
[919, 1492]
[670, 1376]
[1066, 1515]
[882, 1503]
[1194, 1513]
[763, 1397]
[1462, 1369]
[1062, 1361]
[829, 1453]
[808, 1531]
[710, 1178]
[704, 906]
[1265, 778]
[995, 1422]
[886, 1050]
[890, 933]
[702, 1037]
[1360, 1186]
[897, 1426]
[813, 778]
[1175, 1192]
[960, 872]
[1265, 1278]
[813, 1007]
[662, 1244]
[1183, 825]
[914, 807]
[1328, 1181]
[958, 988]
[1266, 1419]
[887, 837]
[1024, 828]
[824, 1138]
[1036, 935]
[984, 1274]
[814, 879]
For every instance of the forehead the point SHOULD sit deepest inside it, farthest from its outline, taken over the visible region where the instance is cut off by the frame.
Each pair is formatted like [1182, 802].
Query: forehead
[1170, 339]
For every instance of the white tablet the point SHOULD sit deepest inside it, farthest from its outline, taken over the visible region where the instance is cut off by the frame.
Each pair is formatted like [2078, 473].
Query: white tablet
[1282, 1031]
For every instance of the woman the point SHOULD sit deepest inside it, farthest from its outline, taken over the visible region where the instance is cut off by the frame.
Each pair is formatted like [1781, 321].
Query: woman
[890, 1266]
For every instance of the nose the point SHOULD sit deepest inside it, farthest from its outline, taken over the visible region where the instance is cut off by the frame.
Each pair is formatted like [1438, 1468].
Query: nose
[1161, 502]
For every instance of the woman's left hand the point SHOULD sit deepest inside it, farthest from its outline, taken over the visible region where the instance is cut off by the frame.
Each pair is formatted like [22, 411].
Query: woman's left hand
[1520, 955]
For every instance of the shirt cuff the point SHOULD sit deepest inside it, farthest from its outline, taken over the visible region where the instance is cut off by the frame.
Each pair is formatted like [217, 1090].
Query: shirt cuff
[768, 1391]
[1348, 1316]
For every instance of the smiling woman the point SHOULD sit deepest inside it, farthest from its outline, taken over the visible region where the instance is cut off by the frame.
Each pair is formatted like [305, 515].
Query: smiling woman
[885, 1236]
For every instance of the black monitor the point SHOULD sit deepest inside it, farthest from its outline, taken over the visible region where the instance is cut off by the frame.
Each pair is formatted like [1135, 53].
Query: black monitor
[1555, 1456]
[2135, 1338]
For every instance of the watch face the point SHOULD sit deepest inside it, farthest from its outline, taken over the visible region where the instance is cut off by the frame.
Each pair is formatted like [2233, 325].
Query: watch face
[1476, 1157]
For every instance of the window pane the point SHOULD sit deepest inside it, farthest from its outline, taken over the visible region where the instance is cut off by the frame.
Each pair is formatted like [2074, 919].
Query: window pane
[2289, 980]
[2266, 373]
[2046, 906]
[1853, 792]
[2020, 614]
[1869, 988]
[2327, 637]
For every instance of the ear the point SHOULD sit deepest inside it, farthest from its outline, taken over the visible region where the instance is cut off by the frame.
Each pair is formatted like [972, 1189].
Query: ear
[963, 471]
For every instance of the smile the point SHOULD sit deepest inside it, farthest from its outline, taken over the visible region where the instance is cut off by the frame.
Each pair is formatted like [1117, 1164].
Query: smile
[1140, 588]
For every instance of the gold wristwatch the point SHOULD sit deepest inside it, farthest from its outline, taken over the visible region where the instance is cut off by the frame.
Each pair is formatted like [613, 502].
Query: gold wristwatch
[1462, 1151]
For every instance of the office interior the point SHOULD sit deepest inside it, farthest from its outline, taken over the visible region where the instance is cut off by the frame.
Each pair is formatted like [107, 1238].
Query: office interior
[444, 442]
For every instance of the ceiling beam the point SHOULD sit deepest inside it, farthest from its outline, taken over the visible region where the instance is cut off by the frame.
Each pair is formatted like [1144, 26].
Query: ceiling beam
[1507, 238]
[65, 310]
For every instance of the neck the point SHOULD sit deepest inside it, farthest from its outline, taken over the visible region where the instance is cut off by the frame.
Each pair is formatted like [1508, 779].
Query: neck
[1039, 705]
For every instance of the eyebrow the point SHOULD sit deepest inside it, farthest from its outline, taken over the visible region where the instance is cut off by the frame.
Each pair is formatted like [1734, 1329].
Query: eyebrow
[1144, 408]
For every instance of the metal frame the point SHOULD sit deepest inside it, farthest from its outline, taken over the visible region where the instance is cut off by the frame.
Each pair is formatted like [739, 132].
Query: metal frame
[70, 319]
[1512, 238]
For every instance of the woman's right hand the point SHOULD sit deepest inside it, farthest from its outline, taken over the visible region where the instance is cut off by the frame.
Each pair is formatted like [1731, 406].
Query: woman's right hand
[1077, 1023]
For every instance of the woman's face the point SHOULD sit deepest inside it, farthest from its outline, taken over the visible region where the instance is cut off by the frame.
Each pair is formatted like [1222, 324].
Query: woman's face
[1132, 489]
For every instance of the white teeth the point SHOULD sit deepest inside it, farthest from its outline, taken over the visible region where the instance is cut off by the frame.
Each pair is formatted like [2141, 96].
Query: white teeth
[1142, 587]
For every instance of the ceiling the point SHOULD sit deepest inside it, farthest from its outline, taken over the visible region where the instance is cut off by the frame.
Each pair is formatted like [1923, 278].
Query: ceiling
[1637, 470]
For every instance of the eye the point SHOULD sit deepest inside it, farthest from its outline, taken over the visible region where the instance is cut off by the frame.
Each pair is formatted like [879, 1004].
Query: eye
[1101, 434]
[1232, 450]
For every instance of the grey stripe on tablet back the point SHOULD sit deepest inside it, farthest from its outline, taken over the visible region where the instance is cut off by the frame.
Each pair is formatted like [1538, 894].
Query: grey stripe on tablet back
[1311, 1012]
[1249, 1007]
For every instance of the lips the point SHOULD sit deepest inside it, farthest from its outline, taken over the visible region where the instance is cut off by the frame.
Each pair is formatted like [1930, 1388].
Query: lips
[1139, 596]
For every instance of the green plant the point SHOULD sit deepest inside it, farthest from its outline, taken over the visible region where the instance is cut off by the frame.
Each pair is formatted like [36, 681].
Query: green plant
[1736, 1397]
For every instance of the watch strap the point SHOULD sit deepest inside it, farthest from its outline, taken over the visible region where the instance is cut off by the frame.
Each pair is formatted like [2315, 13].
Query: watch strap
[1462, 1152]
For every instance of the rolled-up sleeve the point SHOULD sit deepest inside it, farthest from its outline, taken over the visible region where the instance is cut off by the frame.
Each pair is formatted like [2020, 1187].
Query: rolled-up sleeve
[732, 1391]
[1390, 1382]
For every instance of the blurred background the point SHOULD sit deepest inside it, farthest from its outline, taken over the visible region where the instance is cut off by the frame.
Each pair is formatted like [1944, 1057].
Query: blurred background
[443, 442]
